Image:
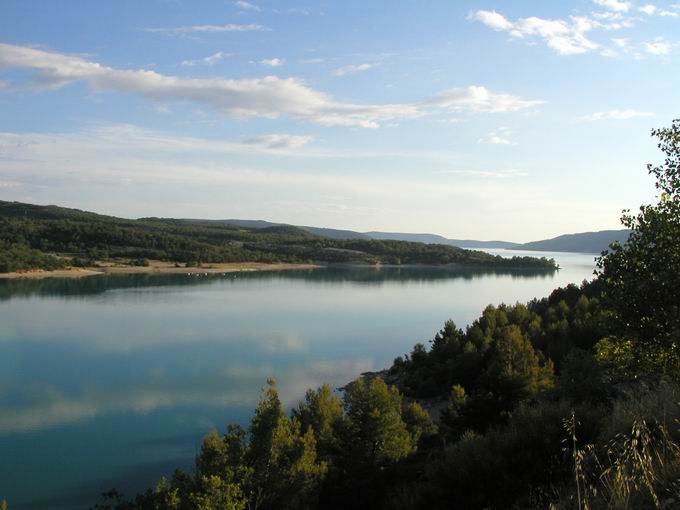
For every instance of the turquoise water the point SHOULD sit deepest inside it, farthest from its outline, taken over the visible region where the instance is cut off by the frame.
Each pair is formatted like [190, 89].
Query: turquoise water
[111, 381]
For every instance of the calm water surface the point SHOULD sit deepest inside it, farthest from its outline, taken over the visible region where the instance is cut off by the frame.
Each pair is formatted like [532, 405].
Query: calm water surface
[111, 381]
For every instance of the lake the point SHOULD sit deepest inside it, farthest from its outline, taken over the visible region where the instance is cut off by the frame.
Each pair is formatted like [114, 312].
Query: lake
[111, 381]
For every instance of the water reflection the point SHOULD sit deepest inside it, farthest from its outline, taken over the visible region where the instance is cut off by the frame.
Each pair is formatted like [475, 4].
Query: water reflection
[98, 284]
[106, 376]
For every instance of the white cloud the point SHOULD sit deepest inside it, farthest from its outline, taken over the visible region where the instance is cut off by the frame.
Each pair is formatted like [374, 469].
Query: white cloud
[564, 37]
[279, 141]
[658, 47]
[351, 69]
[621, 42]
[229, 27]
[493, 20]
[272, 62]
[247, 6]
[616, 115]
[269, 97]
[495, 174]
[651, 10]
[479, 99]
[500, 136]
[210, 60]
[315, 60]
[614, 5]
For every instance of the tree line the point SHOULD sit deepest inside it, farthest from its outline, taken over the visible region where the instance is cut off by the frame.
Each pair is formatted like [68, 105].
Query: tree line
[83, 238]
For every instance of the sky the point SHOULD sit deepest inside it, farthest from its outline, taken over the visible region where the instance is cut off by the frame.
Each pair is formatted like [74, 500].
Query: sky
[481, 119]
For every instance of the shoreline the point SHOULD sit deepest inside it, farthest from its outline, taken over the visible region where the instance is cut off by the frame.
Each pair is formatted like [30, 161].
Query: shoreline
[161, 267]
[155, 267]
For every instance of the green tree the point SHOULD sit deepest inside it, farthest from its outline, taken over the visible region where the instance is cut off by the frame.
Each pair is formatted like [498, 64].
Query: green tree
[515, 364]
[283, 468]
[642, 278]
[418, 422]
[322, 412]
[216, 494]
[376, 433]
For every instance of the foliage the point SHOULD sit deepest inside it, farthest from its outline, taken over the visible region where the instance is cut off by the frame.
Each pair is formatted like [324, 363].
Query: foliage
[19, 257]
[88, 236]
[638, 469]
[322, 413]
[642, 278]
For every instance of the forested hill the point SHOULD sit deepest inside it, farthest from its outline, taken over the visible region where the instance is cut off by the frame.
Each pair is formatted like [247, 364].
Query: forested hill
[585, 242]
[33, 236]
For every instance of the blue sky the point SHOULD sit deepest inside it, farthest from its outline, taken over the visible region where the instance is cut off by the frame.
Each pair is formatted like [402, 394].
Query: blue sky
[479, 119]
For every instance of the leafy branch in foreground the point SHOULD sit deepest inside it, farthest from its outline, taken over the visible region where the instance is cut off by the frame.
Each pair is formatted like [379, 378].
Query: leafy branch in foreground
[642, 279]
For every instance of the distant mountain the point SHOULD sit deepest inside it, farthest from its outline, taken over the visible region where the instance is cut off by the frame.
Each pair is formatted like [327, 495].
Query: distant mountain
[584, 242]
[437, 239]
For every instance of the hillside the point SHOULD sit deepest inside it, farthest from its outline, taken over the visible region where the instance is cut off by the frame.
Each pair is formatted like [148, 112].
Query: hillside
[29, 233]
[585, 242]
[437, 239]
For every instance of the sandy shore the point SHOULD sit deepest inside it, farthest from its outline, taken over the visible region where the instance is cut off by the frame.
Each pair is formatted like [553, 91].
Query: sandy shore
[155, 267]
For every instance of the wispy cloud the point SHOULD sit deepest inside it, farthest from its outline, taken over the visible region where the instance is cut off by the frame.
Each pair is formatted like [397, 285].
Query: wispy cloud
[210, 60]
[279, 141]
[351, 69]
[315, 60]
[272, 62]
[493, 174]
[229, 27]
[268, 97]
[614, 5]
[564, 37]
[500, 136]
[658, 47]
[247, 6]
[616, 115]
[572, 36]
[648, 9]
[480, 100]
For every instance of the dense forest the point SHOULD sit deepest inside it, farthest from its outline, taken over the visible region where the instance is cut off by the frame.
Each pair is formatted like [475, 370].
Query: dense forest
[50, 237]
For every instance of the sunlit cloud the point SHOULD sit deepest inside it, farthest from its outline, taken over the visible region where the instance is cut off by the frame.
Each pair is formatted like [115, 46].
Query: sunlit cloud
[272, 62]
[268, 97]
[279, 141]
[614, 5]
[562, 36]
[247, 6]
[228, 27]
[480, 100]
[500, 136]
[616, 115]
[351, 69]
[210, 60]
[659, 47]
[493, 174]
